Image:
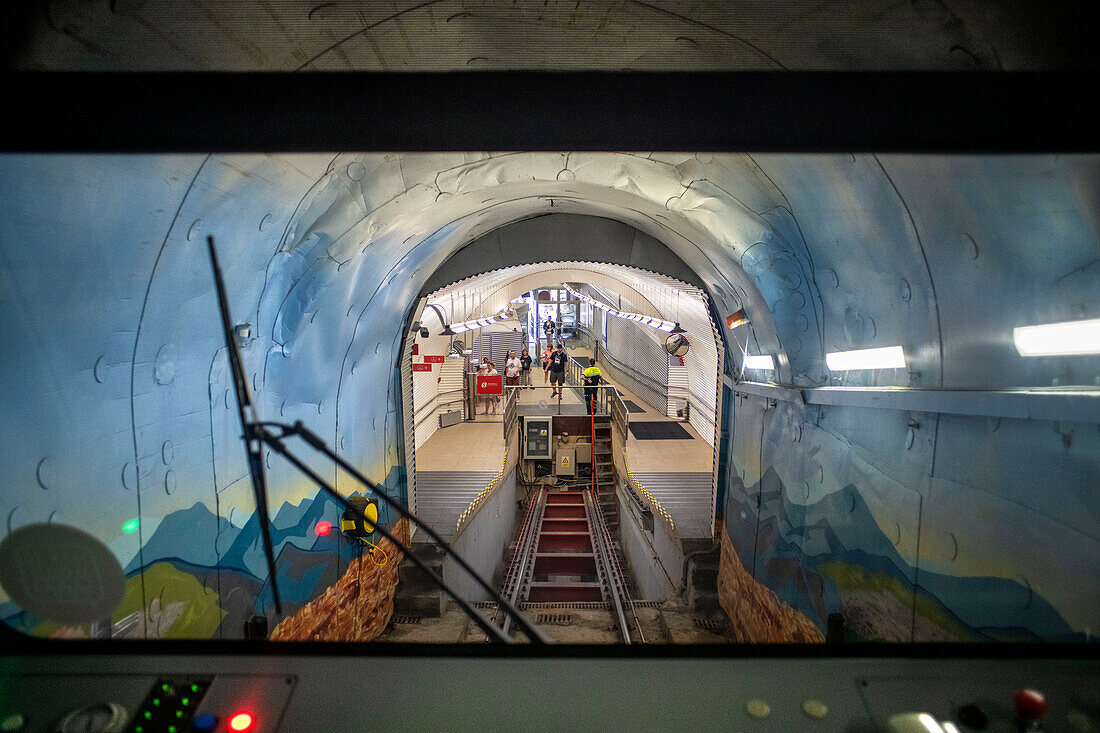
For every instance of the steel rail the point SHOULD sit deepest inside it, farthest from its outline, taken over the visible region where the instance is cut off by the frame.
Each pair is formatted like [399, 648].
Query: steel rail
[520, 568]
[612, 580]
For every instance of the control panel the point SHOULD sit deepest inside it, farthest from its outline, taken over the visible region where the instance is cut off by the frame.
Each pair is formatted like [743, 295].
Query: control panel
[201, 702]
[537, 437]
[381, 687]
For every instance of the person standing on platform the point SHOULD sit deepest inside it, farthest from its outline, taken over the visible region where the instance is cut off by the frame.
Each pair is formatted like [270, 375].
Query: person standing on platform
[525, 369]
[483, 400]
[593, 377]
[556, 367]
[493, 399]
[512, 367]
[546, 362]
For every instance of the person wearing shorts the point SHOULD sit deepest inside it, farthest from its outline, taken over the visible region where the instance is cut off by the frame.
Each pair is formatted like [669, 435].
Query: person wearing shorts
[556, 368]
[546, 363]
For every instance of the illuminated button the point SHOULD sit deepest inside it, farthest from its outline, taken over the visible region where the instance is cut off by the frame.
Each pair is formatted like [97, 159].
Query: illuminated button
[204, 722]
[241, 722]
[814, 709]
[12, 723]
[757, 708]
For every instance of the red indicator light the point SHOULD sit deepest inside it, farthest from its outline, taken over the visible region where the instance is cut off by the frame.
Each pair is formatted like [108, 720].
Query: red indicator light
[241, 722]
[323, 528]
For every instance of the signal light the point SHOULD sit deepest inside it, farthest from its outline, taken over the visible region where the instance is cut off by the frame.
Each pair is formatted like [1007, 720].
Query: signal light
[323, 528]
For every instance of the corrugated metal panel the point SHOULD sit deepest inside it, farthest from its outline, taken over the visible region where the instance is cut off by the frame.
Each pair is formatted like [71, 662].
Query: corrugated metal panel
[450, 387]
[636, 361]
[495, 345]
[426, 387]
[678, 388]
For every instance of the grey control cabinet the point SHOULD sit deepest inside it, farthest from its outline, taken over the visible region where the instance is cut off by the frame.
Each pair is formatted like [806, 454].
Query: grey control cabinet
[537, 437]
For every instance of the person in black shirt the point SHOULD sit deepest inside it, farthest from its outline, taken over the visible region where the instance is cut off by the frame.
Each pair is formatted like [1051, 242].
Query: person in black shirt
[525, 369]
[556, 367]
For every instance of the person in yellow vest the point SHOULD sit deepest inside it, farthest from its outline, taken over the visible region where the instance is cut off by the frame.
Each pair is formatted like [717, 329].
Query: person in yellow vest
[593, 377]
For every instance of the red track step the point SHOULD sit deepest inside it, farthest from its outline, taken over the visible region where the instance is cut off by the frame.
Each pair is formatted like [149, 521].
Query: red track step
[564, 592]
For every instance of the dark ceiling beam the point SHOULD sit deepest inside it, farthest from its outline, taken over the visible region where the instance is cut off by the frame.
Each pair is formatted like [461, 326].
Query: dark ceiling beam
[596, 111]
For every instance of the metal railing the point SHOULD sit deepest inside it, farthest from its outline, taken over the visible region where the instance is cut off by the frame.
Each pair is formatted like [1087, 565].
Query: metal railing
[606, 396]
[620, 417]
[511, 398]
[482, 496]
[658, 509]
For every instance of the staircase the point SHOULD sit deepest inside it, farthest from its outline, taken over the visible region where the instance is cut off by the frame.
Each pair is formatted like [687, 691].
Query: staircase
[416, 593]
[701, 593]
[604, 469]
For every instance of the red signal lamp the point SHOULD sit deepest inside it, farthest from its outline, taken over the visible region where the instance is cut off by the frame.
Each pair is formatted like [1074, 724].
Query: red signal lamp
[241, 722]
[323, 528]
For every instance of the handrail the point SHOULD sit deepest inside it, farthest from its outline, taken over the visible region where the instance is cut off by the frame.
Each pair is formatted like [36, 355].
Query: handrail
[655, 506]
[483, 495]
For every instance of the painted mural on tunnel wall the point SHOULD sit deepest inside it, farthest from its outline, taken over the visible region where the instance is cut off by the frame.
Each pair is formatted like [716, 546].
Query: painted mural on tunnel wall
[831, 536]
[118, 408]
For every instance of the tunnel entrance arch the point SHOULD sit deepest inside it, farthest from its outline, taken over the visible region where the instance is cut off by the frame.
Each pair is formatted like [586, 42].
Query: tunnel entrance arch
[621, 267]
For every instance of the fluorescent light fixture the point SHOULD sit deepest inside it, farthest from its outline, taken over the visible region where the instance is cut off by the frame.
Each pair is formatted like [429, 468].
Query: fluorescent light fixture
[761, 361]
[887, 357]
[1058, 339]
[736, 319]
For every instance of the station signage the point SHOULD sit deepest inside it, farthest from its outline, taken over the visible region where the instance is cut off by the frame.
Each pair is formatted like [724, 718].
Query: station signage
[422, 367]
[433, 359]
[490, 384]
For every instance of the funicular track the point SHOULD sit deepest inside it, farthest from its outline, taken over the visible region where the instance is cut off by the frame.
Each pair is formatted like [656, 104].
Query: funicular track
[564, 555]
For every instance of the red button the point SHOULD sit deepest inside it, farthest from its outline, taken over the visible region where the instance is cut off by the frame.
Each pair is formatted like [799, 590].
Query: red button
[1030, 704]
[241, 722]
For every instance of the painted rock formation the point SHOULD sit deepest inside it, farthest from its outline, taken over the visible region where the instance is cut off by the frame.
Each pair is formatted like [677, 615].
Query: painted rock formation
[358, 607]
[756, 615]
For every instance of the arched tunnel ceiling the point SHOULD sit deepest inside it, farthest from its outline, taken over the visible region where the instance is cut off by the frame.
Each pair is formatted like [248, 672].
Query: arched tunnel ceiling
[326, 255]
[443, 35]
[643, 292]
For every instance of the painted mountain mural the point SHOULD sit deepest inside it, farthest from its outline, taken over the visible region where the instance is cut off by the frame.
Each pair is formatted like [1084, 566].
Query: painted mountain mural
[200, 576]
[842, 562]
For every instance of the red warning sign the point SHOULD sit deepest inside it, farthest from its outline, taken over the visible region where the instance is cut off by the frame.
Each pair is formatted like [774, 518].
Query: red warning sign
[422, 367]
[490, 385]
[433, 359]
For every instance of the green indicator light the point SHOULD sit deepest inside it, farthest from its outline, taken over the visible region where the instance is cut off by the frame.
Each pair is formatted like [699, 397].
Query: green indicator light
[156, 701]
[186, 701]
[130, 526]
[139, 729]
[148, 715]
[194, 688]
[164, 687]
[171, 729]
[179, 713]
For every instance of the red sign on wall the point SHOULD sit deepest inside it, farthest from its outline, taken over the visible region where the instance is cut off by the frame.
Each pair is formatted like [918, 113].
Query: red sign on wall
[490, 385]
[422, 367]
[433, 359]
[416, 349]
